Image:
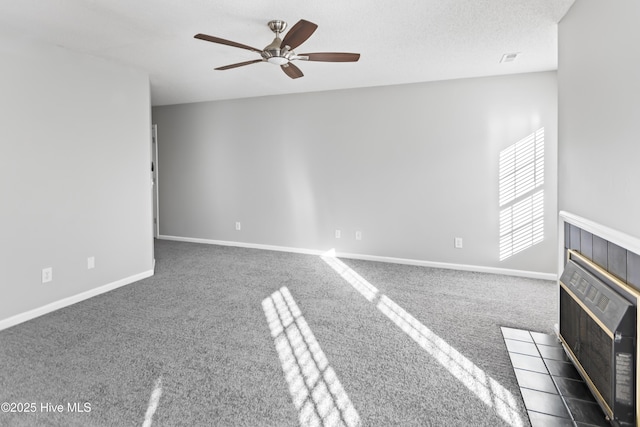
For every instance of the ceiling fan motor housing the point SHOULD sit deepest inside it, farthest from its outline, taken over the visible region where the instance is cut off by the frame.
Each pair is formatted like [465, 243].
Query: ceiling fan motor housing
[275, 53]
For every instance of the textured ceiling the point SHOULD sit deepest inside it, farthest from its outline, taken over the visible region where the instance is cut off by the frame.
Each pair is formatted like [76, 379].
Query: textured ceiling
[399, 42]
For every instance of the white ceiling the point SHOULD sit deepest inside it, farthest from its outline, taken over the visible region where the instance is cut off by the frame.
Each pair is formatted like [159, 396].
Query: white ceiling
[399, 41]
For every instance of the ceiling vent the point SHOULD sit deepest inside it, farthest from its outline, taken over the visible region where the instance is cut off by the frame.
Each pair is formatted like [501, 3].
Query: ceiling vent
[509, 57]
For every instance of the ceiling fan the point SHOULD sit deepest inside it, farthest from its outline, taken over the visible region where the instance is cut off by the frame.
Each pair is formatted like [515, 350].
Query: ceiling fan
[280, 51]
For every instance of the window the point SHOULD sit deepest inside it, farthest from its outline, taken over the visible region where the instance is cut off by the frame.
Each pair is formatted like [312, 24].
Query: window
[521, 197]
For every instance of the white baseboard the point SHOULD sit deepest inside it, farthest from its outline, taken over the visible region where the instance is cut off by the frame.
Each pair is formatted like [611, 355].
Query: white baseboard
[452, 266]
[56, 305]
[432, 264]
[243, 245]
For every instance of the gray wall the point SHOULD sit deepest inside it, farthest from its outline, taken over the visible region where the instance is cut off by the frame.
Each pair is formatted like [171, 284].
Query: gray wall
[599, 113]
[410, 166]
[74, 175]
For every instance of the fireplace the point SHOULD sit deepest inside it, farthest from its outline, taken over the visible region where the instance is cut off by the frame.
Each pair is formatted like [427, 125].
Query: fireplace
[598, 331]
[599, 292]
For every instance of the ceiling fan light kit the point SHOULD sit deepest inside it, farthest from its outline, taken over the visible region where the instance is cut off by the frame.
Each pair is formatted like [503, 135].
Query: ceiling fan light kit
[280, 51]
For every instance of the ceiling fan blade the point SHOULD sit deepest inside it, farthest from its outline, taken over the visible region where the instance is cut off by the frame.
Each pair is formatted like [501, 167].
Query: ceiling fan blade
[332, 56]
[298, 34]
[239, 64]
[227, 42]
[291, 70]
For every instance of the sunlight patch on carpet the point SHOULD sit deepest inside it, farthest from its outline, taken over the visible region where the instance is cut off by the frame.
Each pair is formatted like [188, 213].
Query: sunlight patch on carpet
[464, 370]
[359, 283]
[475, 379]
[314, 387]
[153, 403]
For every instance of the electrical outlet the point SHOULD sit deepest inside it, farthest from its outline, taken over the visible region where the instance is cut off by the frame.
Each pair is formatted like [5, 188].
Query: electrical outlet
[338, 234]
[458, 243]
[91, 262]
[238, 226]
[47, 274]
[358, 235]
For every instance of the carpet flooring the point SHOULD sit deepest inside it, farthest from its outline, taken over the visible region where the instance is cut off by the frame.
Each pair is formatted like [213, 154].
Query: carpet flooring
[226, 336]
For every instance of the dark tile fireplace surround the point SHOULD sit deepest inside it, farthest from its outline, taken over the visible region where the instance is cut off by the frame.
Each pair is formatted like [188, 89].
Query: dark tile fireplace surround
[620, 262]
[553, 390]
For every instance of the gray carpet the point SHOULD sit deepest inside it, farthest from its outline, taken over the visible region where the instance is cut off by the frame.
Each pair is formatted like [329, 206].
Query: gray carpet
[226, 336]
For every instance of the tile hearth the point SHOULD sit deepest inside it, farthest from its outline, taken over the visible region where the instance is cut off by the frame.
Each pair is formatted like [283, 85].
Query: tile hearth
[553, 391]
